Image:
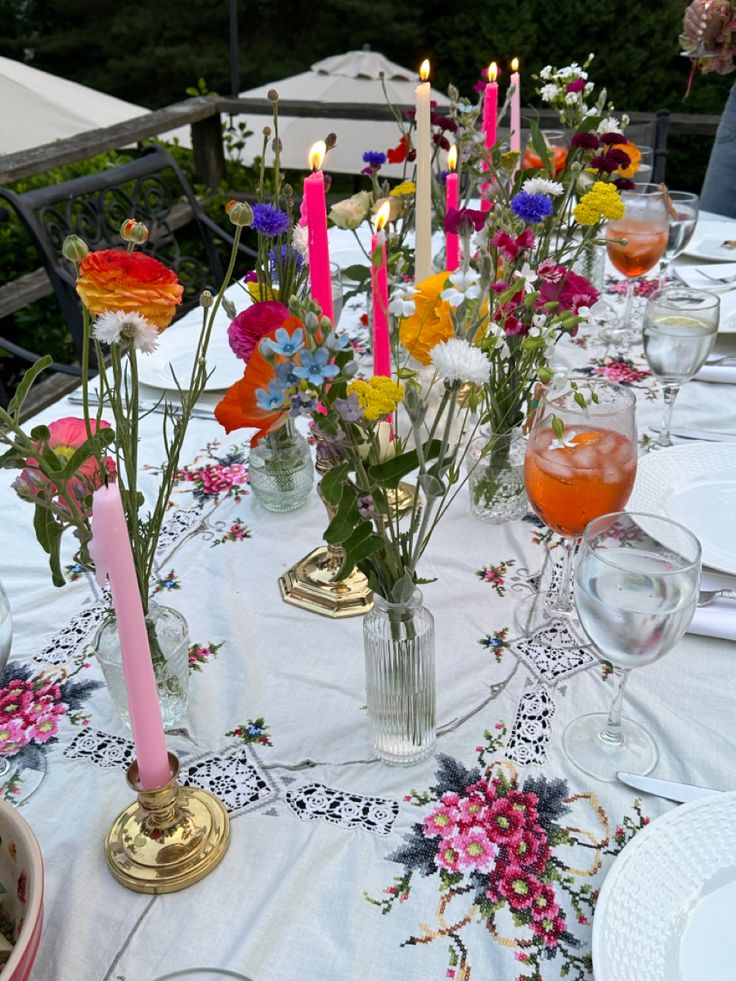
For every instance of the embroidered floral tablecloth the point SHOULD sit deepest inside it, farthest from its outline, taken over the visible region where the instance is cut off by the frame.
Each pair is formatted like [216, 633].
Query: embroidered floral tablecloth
[483, 862]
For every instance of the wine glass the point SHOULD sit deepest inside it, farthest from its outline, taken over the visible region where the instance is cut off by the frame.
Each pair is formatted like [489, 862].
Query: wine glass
[572, 478]
[635, 245]
[680, 327]
[336, 277]
[646, 164]
[683, 207]
[12, 787]
[637, 578]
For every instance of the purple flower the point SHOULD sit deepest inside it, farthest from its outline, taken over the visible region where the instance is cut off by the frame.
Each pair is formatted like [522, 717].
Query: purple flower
[577, 86]
[462, 221]
[302, 404]
[613, 138]
[624, 184]
[365, 506]
[270, 221]
[531, 207]
[349, 409]
[286, 256]
[586, 141]
[374, 158]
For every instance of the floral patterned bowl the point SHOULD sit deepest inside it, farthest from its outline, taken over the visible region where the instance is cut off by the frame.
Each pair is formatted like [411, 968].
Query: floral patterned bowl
[21, 892]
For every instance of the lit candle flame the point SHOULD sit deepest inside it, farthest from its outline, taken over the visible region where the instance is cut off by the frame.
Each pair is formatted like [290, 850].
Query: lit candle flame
[382, 215]
[514, 64]
[452, 157]
[424, 70]
[492, 72]
[317, 155]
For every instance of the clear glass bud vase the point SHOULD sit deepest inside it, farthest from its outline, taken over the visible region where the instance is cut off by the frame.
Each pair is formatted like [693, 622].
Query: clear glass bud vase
[281, 469]
[169, 638]
[496, 476]
[398, 640]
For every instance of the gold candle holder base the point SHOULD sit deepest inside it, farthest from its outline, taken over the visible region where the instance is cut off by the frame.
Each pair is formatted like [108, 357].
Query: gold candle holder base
[170, 838]
[310, 585]
[401, 500]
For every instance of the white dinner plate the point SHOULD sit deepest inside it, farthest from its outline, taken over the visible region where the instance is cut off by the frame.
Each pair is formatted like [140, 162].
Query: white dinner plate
[694, 484]
[707, 242]
[176, 349]
[666, 908]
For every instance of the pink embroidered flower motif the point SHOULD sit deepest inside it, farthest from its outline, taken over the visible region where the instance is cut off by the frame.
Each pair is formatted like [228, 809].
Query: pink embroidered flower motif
[495, 575]
[28, 713]
[621, 371]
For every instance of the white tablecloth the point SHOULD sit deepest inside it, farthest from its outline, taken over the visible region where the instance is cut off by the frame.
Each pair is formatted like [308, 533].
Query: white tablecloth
[330, 874]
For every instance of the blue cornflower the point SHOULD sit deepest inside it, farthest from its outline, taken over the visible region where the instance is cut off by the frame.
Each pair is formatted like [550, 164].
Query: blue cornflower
[314, 366]
[349, 409]
[287, 255]
[270, 221]
[285, 344]
[272, 397]
[531, 207]
[374, 158]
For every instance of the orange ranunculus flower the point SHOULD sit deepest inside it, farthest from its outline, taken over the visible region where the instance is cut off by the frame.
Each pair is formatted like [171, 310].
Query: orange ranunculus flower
[113, 279]
[532, 160]
[431, 321]
[633, 152]
[238, 408]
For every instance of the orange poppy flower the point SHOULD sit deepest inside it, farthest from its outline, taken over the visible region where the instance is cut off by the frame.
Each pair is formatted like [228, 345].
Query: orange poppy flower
[633, 152]
[113, 279]
[532, 160]
[238, 408]
[431, 321]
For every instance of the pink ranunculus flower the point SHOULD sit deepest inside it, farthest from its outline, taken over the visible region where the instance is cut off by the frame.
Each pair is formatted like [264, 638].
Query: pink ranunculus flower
[567, 288]
[253, 323]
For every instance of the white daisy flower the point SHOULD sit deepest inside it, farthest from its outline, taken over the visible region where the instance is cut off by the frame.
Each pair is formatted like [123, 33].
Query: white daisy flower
[540, 185]
[566, 440]
[545, 72]
[610, 125]
[458, 361]
[300, 241]
[116, 326]
[402, 302]
[548, 92]
[464, 287]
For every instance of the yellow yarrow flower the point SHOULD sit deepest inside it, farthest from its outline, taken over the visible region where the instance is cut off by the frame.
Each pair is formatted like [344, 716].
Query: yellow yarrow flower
[377, 396]
[404, 189]
[602, 202]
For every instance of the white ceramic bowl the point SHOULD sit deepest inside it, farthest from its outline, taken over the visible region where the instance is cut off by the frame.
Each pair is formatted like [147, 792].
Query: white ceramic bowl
[21, 874]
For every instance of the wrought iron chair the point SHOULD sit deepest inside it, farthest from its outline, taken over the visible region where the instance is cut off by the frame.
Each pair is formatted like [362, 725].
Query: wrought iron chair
[152, 189]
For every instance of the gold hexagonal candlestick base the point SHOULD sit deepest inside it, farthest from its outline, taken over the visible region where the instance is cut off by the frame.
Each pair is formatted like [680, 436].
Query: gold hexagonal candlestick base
[311, 585]
[170, 838]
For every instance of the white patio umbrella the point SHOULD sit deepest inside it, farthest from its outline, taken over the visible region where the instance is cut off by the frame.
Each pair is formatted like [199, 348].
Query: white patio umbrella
[349, 78]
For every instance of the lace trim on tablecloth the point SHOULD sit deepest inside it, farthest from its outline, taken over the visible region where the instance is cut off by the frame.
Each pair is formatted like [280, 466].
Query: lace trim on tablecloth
[532, 729]
[179, 524]
[546, 653]
[316, 800]
[65, 642]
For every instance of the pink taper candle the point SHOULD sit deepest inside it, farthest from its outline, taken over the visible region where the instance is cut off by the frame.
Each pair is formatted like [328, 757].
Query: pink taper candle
[452, 197]
[515, 82]
[490, 122]
[379, 282]
[113, 558]
[423, 196]
[320, 280]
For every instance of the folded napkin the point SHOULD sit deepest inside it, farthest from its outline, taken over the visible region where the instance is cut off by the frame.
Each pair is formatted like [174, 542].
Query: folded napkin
[693, 276]
[719, 618]
[725, 373]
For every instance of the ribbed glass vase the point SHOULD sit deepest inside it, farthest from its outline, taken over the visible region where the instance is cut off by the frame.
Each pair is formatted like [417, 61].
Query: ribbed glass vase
[398, 640]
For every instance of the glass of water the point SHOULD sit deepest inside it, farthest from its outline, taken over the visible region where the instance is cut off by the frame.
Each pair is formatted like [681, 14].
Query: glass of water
[680, 327]
[683, 208]
[637, 578]
[336, 277]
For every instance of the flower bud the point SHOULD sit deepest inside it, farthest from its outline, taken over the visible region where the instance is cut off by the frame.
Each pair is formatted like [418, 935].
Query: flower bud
[278, 146]
[239, 212]
[74, 248]
[206, 299]
[267, 131]
[229, 307]
[272, 95]
[134, 231]
[287, 190]
[331, 141]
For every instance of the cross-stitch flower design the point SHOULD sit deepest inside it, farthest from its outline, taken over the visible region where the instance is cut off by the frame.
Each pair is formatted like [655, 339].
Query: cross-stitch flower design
[496, 642]
[620, 370]
[495, 575]
[166, 583]
[199, 656]
[252, 731]
[226, 476]
[237, 532]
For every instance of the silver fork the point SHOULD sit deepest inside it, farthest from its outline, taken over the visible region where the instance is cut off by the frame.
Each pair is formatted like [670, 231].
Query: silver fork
[708, 596]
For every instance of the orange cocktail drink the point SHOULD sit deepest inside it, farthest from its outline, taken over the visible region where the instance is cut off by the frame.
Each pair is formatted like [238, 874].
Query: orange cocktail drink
[587, 473]
[645, 242]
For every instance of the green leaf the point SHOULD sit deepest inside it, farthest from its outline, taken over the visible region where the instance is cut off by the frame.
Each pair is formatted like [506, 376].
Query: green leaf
[42, 518]
[333, 482]
[403, 589]
[25, 384]
[347, 517]
[356, 273]
[390, 472]
[558, 426]
[540, 144]
[367, 547]
[431, 486]
[39, 434]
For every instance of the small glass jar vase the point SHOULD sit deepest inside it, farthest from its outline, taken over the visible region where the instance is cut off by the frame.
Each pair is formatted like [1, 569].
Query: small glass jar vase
[281, 469]
[169, 636]
[591, 263]
[496, 476]
[398, 640]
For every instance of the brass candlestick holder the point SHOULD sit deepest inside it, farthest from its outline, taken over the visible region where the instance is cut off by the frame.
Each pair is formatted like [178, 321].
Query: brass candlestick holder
[170, 838]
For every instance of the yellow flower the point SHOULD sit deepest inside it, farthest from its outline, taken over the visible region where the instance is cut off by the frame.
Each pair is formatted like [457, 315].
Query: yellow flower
[259, 292]
[378, 396]
[633, 152]
[404, 189]
[602, 202]
[431, 321]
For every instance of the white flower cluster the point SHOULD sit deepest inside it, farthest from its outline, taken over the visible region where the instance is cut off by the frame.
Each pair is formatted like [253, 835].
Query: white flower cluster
[464, 287]
[116, 326]
[457, 360]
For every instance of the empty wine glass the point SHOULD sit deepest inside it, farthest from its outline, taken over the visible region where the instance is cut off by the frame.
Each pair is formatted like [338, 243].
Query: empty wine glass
[683, 207]
[636, 588]
[680, 327]
[646, 164]
[635, 244]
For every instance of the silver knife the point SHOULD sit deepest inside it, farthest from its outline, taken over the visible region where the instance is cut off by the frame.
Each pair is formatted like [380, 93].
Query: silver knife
[709, 435]
[680, 792]
[197, 412]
